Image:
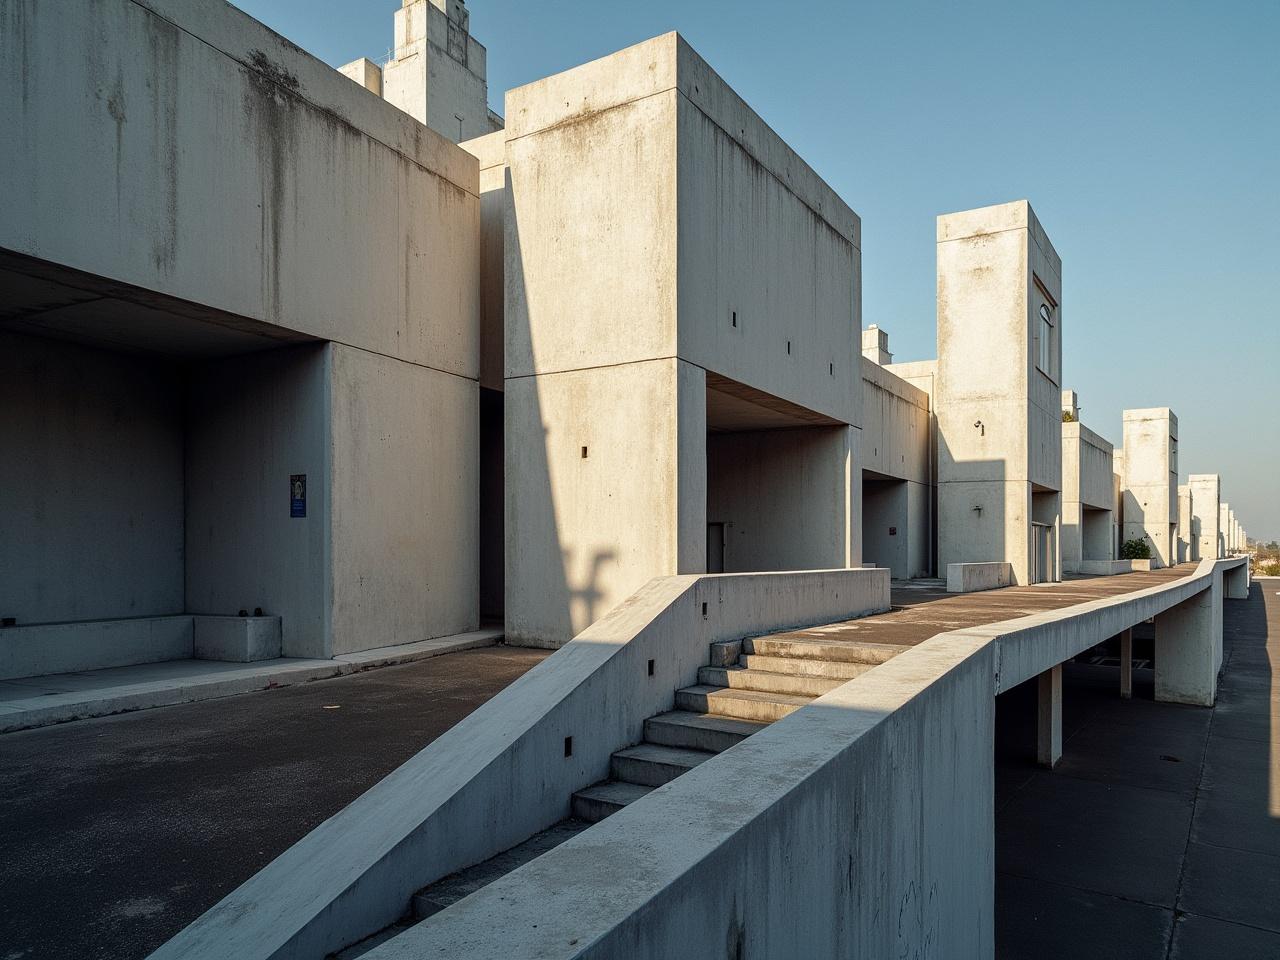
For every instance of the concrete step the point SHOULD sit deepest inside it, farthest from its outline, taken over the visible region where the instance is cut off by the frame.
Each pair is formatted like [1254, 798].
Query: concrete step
[743, 678]
[697, 730]
[652, 765]
[831, 669]
[842, 651]
[599, 801]
[742, 704]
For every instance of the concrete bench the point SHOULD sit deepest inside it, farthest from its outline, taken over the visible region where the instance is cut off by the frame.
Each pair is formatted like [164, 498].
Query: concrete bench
[971, 577]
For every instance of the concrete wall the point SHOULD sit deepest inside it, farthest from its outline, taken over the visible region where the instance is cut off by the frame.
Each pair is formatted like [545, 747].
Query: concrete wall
[1206, 490]
[405, 468]
[784, 496]
[1087, 496]
[998, 415]
[244, 550]
[224, 190]
[1150, 481]
[91, 483]
[645, 199]
[452, 804]
[855, 845]
[219, 163]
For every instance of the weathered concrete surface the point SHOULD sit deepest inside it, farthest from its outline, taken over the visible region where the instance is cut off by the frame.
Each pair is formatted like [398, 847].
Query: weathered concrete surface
[828, 834]
[1206, 498]
[240, 639]
[92, 644]
[1150, 481]
[971, 577]
[645, 196]
[452, 805]
[1088, 525]
[1158, 834]
[997, 397]
[118, 832]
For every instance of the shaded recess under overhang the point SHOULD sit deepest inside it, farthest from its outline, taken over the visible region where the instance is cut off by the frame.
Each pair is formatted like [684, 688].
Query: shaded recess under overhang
[734, 407]
[43, 299]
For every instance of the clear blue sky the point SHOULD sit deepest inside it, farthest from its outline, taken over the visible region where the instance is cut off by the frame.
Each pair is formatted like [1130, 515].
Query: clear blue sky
[1145, 134]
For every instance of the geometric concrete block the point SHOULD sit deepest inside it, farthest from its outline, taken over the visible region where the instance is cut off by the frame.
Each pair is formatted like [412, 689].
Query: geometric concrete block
[47, 648]
[970, 577]
[237, 639]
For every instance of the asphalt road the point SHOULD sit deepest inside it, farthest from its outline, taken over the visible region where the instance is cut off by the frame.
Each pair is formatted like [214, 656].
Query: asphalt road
[116, 833]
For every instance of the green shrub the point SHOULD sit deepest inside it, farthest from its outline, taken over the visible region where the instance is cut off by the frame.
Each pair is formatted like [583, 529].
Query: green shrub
[1135, 550]
[1067, 417]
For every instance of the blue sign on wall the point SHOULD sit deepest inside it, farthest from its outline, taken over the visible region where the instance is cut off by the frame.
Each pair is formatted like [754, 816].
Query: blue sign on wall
[298, 495]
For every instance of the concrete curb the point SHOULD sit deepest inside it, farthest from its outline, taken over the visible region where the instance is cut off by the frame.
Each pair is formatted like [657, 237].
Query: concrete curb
[266, 675]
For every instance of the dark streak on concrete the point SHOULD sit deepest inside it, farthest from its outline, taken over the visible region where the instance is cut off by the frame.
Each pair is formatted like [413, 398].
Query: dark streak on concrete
[163, 39]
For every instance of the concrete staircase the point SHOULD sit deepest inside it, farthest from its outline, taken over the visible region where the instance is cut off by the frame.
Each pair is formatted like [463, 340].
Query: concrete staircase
[748, 685]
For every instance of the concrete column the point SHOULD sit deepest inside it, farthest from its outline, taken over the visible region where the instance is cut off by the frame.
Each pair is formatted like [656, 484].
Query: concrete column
[1126, 664]
[1049, 718]
[1188, 641]
[1235, 582]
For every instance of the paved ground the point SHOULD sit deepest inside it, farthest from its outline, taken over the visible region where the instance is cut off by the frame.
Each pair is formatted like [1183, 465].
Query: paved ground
[117, 832]
[39, 701]
[923, 609]
[1158, 835]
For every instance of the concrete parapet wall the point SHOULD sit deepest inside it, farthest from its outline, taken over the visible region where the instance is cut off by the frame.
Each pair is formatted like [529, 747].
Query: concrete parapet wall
[42, 649]
[859, 826]
[503, 773]
[971, 577]
[1106, 568]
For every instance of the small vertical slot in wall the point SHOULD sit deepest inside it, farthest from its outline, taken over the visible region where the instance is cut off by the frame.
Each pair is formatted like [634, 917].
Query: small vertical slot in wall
[788, 348]
[831, 369]
[568, 746]
[704, 611]
[584, 453]
[733, 318]
[651, 668]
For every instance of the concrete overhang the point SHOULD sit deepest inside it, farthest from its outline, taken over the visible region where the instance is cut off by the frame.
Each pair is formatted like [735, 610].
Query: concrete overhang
[48, 300]
[734, 407]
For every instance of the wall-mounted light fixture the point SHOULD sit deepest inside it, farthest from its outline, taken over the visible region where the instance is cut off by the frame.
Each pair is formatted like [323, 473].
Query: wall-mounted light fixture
[982, 430]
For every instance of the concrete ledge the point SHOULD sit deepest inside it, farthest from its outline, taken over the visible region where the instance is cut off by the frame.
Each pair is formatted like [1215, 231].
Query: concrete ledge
[506, 772]
[40, 701]
[971, 577]
[239, 639]
[1107, 568]
[42, 649]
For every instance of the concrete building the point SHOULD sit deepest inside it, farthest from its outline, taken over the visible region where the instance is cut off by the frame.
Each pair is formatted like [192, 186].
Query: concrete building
[998, 392]
[1088, 495]
[897, 472]
[227, 394]
[1150, 482]
[1206, 491]
[721, 431]
[1188, 542]
[436, 72]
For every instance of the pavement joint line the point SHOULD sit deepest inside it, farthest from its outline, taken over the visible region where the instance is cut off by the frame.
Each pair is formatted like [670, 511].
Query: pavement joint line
[1092, 890]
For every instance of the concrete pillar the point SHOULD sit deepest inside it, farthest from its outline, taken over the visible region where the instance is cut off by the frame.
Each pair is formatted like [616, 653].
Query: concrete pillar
[1049, 718]
[1235, 582]
[1188, 649]
[1126, 664]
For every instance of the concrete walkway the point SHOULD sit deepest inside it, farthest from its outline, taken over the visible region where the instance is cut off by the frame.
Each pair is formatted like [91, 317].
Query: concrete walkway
[117, 832]
[39, 701]
[1158, 834]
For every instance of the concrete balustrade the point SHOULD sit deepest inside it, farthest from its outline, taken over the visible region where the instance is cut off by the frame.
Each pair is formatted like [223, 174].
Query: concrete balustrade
[971, 577]
[509, 769]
